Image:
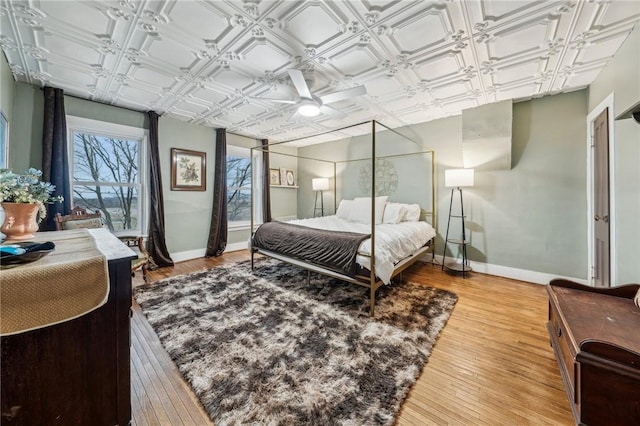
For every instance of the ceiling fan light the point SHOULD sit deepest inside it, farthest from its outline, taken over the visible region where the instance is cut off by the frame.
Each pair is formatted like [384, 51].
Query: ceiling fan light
[309, 110]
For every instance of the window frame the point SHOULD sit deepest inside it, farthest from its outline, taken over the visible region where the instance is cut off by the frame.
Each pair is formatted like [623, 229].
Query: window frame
[103, 128]
[256, 179]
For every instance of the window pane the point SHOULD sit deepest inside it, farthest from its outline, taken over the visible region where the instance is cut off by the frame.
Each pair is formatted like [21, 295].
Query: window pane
[238, 188]
[118, 204]
[104, 159]
[239, 205]
[238, 172]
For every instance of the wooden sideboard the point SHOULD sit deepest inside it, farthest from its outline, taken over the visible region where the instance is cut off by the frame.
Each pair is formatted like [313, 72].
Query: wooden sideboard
[595, 335]
[76, 372]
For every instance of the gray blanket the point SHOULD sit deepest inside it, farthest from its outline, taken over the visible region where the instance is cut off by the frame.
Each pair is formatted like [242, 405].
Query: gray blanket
[330, 249]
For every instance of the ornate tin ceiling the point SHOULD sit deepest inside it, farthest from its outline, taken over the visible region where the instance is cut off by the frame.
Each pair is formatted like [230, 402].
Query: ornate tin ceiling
[205, 62]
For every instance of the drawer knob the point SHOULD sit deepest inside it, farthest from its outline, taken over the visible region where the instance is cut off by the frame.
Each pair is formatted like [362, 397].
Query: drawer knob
[559, 332]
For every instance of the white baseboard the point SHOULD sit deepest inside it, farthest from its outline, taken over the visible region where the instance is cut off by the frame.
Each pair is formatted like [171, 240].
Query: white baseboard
[515, 273]
[483, 268]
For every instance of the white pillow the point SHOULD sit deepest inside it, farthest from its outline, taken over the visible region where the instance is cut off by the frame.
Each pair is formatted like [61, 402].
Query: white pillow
[345, 208]
[362, 210]
[394, 213]
[413, 213]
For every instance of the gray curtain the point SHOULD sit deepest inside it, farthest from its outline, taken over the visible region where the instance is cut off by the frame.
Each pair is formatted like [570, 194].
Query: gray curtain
[156, 244]
[266, 189]
[55, 163]
[218, 229]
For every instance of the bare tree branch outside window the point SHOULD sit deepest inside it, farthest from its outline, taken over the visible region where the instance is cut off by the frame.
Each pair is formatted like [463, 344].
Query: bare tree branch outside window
[106, 178]
[238, 188]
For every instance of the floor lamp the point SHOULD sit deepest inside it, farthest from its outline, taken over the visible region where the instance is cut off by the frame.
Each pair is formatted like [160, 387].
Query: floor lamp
[319, 185]
[456, 179]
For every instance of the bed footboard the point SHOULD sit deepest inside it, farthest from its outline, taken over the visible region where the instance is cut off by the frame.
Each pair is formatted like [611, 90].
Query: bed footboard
[373, 284]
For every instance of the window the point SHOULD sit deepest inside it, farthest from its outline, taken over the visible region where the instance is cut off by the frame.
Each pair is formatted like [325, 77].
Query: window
[108, 174]
[239, 187]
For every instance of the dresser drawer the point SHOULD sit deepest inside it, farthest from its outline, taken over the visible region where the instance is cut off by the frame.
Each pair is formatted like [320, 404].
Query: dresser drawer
[565, 352]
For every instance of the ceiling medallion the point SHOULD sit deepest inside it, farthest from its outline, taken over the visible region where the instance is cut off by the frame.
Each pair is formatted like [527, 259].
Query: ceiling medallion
[30, 22]
[42, 76]
[383, 30]
[272, 23]
[7, 43]
[353, 27]
[252, 9]
[115, 13]
[258, 33]
[239, 21]
[364, 40]
[129, 4]
[30, 11]
[35, 52]
[133, 55]
[154, 17]
[122, 79]
[107, 45]
[371, 17]
[100, 71]
[17, 70]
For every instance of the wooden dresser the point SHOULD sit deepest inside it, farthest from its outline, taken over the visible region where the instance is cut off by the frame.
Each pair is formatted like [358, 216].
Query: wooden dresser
[595, 335]
[76, 372]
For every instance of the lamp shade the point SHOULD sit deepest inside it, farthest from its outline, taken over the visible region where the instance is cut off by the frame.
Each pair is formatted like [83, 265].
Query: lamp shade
[320, 184]
[458, 177]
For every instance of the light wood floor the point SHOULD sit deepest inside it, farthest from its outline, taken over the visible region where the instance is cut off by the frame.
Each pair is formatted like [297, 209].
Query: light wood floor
[492, 364]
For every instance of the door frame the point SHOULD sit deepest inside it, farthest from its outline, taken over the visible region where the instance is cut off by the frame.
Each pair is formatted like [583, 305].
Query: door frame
[608, 102]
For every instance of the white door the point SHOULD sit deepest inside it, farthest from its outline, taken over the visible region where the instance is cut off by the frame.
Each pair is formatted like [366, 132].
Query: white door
[601, 202]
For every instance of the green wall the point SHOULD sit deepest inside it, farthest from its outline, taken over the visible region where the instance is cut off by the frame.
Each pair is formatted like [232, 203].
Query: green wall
[98, 111]
[6, 95]
[25, 148]
[187, 213]
[284, 200]
[532, 217]
[620, 78]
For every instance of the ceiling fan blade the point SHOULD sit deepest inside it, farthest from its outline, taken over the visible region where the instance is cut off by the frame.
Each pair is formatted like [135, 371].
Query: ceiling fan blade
[301, 85]
[332, 112]
[343, 94]
[280, 101]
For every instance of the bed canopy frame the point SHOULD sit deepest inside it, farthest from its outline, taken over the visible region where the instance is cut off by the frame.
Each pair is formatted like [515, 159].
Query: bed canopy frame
[371, 281]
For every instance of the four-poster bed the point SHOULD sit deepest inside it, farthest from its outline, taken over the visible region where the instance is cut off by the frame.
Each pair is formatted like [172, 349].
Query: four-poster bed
[355, 246]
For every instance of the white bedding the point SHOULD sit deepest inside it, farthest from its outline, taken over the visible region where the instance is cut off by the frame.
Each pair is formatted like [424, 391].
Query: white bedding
[394, 242]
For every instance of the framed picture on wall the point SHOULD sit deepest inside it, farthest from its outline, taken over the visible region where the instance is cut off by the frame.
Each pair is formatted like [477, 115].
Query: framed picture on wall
[188, 170]
[274, 177]
[290, 178]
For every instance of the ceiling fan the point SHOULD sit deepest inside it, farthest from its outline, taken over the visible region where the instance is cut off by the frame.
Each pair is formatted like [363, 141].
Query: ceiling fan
[310, 105]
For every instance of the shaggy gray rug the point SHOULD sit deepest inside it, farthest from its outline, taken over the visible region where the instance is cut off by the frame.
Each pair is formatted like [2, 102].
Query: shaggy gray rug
[266, 348]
